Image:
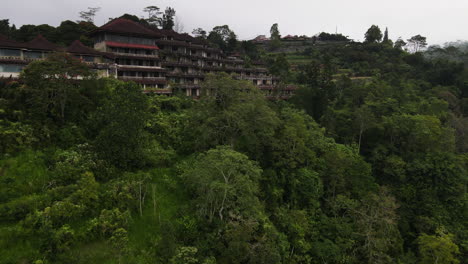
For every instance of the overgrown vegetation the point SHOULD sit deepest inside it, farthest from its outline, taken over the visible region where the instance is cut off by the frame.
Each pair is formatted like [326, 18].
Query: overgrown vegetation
[367, 164]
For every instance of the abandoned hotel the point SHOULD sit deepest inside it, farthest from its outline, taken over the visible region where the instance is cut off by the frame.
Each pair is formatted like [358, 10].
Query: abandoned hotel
[159, 60]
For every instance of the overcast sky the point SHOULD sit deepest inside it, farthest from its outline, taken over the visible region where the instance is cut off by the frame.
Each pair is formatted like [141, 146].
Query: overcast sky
[439, 20]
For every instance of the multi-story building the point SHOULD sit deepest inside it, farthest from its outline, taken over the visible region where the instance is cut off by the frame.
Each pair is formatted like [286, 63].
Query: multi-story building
[135, 51]
[15, 55]
[161, 61]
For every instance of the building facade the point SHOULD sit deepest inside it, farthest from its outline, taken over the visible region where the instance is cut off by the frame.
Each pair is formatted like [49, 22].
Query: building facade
[161, 61]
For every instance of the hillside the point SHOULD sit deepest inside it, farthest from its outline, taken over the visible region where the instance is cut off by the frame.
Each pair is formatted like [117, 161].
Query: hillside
[366, 163]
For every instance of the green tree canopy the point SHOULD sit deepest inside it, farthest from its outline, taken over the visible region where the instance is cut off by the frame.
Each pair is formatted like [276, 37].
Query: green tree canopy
[373, 34]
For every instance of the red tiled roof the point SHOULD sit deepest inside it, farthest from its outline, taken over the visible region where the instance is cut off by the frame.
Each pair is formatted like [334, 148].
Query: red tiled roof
[175, 35]
[9, 43]
[127, 27]
[185, 37]
[167, 33]
[79, 48]
[200, 41]
[128, 45]
[41, 43]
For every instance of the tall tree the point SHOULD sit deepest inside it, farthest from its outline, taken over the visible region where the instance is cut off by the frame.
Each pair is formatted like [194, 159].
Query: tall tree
[232, 113]
[120, 127]
[53, 86]
[232, 42]
[224, 183]
[400, 43]
[154, 15]
[438, 248]
[168, 18]
[275, 37]
[385, 37]
[274, 32]
[89, 15]
[199, 33]
[373, 34]
[223, 37]
[5, 28]
[416, 43]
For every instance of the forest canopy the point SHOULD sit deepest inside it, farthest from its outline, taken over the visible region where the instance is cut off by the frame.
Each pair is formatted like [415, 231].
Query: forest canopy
[367, 163]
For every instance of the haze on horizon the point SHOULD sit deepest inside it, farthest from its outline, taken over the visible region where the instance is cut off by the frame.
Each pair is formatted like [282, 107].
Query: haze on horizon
[439, 21]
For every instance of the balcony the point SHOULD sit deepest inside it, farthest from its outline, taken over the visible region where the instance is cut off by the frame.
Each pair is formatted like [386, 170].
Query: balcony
[255, 77]
[167, 91]
[135, 68]
[16, 59]
[143, 80]
[152, 56]
[180, 64]
[185, 74]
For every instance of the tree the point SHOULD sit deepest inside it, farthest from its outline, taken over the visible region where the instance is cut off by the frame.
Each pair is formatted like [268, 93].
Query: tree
[275, 37]
[232, 42]
[29, 32]
[385, 39]
[232, 113]
[224, 184]
[69, 31]
[5, 28]
[319, 89]
[377, 223]
[185, 255]
[89, 15]
[364, 119]
[154, 15]
[438, 248]
[53, 85]
[168, 18]
[278, 65]
[250, 49]
[120, 127]
[416, 43]
[373, 35]
[400, 43]
[199, 33]
[274, 32]
[223, 37]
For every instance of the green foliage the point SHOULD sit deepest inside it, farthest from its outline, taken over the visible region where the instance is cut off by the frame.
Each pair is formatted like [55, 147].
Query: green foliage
[324, 36]
[373, 34]
[416, 43]
[231, 113]
[168, 18]
[366, 164]
[275, 37]
[185, 255]
[438, 248]
[120, 123]
[224, 38]
[51, 86]
[224, 184]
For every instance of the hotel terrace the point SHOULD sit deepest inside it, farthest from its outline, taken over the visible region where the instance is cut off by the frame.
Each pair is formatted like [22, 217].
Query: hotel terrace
[159, 60]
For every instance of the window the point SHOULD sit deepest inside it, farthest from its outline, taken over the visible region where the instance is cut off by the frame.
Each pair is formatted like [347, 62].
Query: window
[88, 58]
[10, 68]
[10, 53]
[33, 54]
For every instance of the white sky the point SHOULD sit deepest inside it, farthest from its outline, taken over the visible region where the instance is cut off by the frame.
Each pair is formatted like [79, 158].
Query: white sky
[440, 21]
